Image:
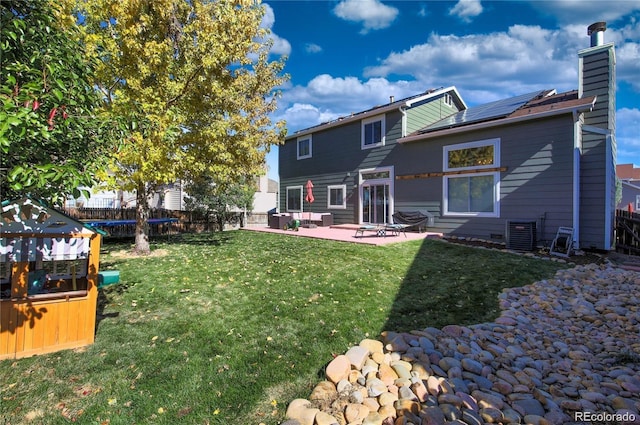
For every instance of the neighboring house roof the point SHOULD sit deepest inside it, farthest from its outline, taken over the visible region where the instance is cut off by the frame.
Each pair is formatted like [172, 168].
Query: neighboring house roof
[627, 172]
[519, 108]
[380, 109]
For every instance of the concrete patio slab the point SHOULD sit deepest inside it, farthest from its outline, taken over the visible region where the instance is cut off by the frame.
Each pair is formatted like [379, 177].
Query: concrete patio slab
[346, 233]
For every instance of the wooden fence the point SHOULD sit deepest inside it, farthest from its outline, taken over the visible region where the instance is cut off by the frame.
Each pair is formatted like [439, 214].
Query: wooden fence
[188, 221]
[627, 232]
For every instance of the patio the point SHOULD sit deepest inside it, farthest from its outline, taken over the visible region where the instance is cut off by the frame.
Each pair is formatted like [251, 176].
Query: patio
[346, 233]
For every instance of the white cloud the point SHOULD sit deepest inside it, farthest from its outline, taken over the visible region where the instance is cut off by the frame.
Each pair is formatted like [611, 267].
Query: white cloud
[280, 45]
[584, 12]
[303, 115]
[515, 62]
[373, 14]
[628, 56]
[326, 97]
[312, 48]
[628, 135]
[423, 12]
[466, 9]
[484, 68]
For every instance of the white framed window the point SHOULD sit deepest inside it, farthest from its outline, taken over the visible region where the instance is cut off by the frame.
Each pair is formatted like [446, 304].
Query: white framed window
[304, 147]
[447, 99]
[337, 196]
[637, 202]
[476, 193]
[294, 198]
[373, 132]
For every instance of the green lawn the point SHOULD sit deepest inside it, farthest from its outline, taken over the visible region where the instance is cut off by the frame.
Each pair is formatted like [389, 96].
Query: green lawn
[228, 328]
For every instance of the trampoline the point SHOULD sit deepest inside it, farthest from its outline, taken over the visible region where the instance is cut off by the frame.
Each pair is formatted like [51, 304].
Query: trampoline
[126, 228]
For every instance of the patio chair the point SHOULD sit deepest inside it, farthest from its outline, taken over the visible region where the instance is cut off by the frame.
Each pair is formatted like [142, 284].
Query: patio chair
[562, 244]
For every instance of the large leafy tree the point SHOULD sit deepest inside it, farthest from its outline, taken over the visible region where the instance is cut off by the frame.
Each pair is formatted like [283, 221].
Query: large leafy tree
[220, 201]
[193, 81]
[51, 137]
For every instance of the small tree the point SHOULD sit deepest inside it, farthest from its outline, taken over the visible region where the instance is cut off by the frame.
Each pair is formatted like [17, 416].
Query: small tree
[51, 138]
[193, 81]
[220, 200]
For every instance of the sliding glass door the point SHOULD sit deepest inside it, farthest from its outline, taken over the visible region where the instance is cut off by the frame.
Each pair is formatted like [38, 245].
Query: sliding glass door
[375, 203]
[376, 195]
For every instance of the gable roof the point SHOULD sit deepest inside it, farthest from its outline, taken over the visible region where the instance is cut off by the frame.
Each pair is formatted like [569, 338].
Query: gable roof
[529, 106]
[380, 109]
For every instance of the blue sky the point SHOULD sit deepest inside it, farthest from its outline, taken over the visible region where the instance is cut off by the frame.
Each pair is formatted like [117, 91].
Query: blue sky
[350, 55]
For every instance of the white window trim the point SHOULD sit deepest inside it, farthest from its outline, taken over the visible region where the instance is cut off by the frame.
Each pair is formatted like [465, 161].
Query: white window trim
[383, 130]
[495, 174]
[496, 196]
[637, 203]
[301, 139]
[476, 144]
[287, 198]
[447, 99]
[342, 206]
[364, 182]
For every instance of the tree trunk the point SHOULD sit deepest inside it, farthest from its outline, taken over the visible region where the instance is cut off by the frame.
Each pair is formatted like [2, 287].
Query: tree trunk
[142, 221]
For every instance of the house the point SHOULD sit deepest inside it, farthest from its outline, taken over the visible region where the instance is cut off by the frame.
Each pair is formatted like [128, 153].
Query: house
[542, 158]
[349, 159]
[630, 180]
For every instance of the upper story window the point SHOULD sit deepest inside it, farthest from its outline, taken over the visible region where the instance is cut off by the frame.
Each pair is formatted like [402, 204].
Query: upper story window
[473, 155]
[476, 192]
[373, 132]
[304, 147]
[447, 99]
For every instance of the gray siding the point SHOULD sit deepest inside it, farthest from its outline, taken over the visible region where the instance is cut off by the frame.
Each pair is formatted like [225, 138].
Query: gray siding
[629, 194]
[537, 185]
[597, 167]
[337, 158]
[338, 150]
[321, 182]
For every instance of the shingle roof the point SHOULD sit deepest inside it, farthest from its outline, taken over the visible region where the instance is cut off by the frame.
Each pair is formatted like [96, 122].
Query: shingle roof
[379, 109]
[545, 102]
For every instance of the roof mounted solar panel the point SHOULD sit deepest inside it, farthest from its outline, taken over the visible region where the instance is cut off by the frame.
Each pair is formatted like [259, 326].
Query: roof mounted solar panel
[488, 111]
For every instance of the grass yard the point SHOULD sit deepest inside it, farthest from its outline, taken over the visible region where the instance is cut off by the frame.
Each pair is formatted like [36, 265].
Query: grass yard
[228, 328]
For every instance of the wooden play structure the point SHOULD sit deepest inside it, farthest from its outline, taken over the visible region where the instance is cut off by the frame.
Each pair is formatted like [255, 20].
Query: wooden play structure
[48, 280]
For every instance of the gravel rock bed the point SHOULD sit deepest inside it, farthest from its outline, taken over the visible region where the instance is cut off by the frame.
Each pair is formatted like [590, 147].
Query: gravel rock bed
[564, 351]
